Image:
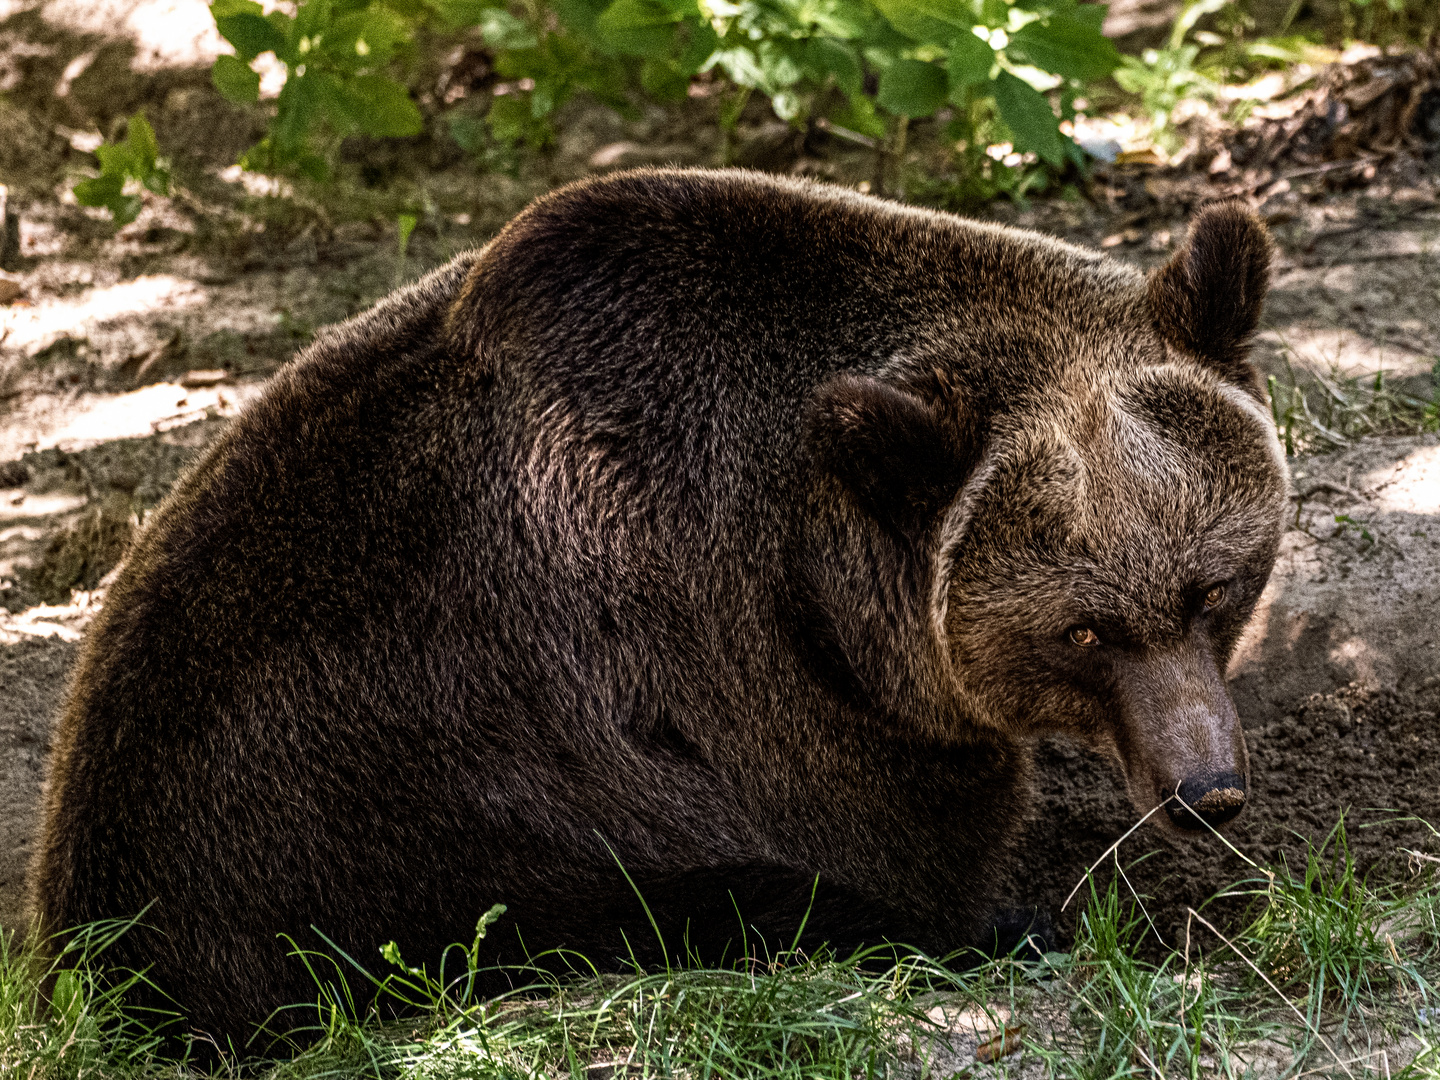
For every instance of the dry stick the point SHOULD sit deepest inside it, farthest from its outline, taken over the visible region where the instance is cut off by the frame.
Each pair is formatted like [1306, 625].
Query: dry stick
[1125, 878]
[1106, 855]
[1251, 964]
[1146, 1058]
[1352, 1061]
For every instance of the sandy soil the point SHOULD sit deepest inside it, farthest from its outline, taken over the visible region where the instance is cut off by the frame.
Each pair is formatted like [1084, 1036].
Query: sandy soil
[125, 354]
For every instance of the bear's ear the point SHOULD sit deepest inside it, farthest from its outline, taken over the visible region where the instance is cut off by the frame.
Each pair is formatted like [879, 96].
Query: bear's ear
[1207, 299]
[892, 450]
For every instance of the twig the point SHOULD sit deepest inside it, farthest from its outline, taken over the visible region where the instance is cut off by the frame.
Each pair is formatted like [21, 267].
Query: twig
[1330, 486]
[1352, 1061]
[1315, 170]
[844, 133]
[1106, 854]
[1251, 964]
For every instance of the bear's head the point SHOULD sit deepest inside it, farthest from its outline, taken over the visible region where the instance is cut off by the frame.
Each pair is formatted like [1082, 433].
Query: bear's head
[1084, 551]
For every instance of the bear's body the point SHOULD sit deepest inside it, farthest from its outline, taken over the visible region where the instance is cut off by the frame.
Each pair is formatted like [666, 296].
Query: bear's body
[638, 536]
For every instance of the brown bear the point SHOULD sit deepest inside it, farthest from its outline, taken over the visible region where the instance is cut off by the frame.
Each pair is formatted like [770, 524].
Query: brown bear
[737, 531]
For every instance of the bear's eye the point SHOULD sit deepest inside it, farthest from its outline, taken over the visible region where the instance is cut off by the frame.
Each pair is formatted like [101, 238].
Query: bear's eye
[1214, 596]
[1084, 637]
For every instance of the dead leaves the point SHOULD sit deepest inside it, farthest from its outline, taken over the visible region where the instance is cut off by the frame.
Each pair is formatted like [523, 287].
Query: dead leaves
[1002, 1044]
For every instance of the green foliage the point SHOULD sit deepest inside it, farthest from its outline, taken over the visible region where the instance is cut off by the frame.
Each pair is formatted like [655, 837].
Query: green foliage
[1327, 411]
[136, 159]
[337, 54]
[864, 65]
[84, 1029]
[1137, 1017]
[1163, 77]
[1327, 933]
[1318, 947]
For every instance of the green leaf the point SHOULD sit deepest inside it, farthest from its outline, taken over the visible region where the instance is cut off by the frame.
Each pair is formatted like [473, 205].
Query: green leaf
[468, 131]
[859, 115]
[580, 15]
[504, 31]
[157, 180]
[781, 68]
[644, 28]
[1028, 116]
[301, 101]
[970, 63]
[251, 34]
[826, 56]
[1066, 47]
[509, 118]
[364, 39]
[933, 21]
[100, 191]
[995, 13]
[234, 79]
[312, 165]
[140, 139]
[117, 159]
[741, 67]
[382, 107]
[221, 8]
[1091, 15]
[787, 105]
[911, 88]
[126, 209]
[66, 997]
[664, 81]
[846, 20]
[701, 43]
[458, 13]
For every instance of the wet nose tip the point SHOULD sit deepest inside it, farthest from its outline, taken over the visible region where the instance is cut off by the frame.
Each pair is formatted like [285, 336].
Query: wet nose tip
[1212, 800]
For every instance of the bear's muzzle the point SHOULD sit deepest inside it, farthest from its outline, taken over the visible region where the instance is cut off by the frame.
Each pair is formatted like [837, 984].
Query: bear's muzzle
[1209, 799]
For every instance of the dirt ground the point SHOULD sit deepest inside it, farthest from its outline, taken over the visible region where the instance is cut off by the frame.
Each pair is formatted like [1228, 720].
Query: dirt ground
[121, 356]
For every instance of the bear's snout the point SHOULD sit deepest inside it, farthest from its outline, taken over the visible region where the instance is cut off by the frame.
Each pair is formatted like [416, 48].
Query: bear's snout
[1179, 739]
[1208, 799]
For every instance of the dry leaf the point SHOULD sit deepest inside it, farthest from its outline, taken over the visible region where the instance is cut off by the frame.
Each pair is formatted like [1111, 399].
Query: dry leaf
[1140, 157]
[1002, 1045]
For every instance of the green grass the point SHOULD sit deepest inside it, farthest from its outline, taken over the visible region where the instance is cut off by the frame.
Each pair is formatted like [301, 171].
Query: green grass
[1324, 971]
[1322, 412]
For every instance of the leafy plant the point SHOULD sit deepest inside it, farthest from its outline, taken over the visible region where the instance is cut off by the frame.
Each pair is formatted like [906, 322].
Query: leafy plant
[1164, 77]
[856, 62]
[136, 159]
[335, 54]
[866, 66]
[1327, 932]
[1328, 411]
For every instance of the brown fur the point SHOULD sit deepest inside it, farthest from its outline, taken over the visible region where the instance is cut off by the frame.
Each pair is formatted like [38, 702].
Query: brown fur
[727, 526]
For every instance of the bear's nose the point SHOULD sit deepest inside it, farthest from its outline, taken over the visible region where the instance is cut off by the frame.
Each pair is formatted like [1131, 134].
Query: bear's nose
[1210, 799]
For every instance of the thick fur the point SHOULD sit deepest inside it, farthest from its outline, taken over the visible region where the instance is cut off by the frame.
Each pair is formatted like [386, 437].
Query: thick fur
[724, 527]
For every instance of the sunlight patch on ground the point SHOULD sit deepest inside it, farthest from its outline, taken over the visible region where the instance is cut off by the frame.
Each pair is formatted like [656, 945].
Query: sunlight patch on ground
[64, 621]
[34, 328]
[147, 411]
[1411, 486]
[167, 33]
[1348, 353]
[22, 505]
